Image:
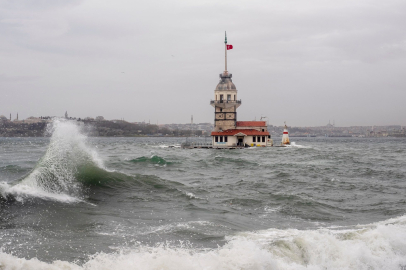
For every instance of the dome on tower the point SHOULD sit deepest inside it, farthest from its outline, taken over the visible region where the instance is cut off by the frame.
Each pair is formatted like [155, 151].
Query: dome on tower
[225, 82]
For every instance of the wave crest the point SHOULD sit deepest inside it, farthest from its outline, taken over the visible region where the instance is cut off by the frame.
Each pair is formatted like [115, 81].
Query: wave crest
[153, 160]
[55, 175]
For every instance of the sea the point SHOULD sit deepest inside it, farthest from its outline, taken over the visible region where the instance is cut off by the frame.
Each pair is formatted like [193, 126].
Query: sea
[71, 201]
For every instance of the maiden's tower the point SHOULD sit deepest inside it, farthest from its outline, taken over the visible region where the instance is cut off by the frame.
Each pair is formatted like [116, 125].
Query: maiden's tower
[228, 132]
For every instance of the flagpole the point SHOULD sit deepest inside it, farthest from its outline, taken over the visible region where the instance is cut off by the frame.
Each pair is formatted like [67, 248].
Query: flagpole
[225, 43]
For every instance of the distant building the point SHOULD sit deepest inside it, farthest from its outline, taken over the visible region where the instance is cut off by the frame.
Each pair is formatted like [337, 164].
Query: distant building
[33, 119]
[3, 118]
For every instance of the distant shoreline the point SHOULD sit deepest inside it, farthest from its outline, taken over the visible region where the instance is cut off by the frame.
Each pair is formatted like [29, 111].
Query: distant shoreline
[154, 136]
[36, 127]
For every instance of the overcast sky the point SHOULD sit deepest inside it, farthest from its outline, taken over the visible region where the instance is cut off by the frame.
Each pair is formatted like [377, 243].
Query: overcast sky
[306, 62]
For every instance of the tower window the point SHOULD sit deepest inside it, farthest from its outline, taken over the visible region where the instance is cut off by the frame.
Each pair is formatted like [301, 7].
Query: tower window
[234, 97]
[228, 97]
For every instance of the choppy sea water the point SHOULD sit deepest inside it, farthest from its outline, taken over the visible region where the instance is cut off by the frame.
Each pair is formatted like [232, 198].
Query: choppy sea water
[76, 202]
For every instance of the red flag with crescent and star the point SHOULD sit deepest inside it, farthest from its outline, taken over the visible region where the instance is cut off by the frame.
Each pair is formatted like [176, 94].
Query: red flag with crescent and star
[229, 47]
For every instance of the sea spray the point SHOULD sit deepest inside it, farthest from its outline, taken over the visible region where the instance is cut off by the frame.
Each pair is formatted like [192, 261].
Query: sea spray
[55, 176]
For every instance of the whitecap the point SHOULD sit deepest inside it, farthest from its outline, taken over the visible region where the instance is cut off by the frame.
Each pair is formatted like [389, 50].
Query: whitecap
[379, 245]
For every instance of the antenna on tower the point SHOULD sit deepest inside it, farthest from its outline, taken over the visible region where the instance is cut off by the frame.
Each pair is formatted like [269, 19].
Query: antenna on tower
[225, 42]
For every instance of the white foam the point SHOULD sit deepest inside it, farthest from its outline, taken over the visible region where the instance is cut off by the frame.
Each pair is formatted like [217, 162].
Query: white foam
[9, 262]
[379, 245]
[190, 195]
[169, 146]
[163, 146]
[268, 209]
[22, 192]
[293, 144]
[232, 256]
[181, 225]
[374, 246]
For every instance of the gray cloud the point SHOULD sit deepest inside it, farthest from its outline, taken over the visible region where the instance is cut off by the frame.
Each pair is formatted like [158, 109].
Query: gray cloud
[38, 4]
[304, 62]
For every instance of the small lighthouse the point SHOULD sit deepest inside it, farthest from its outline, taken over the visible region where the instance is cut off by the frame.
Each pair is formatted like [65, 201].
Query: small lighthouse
[285, 136]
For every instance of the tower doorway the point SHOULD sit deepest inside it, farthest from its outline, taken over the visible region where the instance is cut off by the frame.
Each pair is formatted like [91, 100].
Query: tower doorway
[240, 141]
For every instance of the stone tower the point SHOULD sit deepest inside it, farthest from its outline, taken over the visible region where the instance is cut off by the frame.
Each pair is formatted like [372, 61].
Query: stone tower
[225, 101]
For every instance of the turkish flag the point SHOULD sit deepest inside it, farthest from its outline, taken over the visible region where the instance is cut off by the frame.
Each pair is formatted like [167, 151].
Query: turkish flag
[229, 47]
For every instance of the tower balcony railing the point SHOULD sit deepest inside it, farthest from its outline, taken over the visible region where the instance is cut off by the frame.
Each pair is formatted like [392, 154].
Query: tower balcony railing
[225, 101]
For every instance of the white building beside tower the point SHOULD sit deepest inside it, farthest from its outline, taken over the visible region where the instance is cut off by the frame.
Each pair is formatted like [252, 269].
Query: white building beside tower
[228, 132]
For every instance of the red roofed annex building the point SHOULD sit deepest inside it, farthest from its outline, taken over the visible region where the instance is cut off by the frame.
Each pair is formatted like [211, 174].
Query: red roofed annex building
[228, 132]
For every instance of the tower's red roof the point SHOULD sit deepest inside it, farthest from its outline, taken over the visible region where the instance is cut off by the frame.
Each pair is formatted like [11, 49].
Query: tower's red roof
[232, 132]
[251, 124]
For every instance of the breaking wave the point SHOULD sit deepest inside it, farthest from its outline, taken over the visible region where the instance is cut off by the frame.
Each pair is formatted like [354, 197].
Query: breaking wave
[55, 176]
[374, 246]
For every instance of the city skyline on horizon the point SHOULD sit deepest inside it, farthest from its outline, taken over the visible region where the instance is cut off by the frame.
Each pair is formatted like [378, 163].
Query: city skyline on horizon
[195, 123]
